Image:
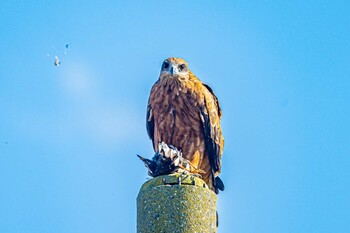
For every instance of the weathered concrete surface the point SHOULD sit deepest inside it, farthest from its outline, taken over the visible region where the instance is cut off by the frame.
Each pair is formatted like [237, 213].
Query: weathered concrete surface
[165, 206]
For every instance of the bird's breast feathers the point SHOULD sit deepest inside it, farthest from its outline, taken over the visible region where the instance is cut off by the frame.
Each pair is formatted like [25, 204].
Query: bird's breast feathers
[177, 117]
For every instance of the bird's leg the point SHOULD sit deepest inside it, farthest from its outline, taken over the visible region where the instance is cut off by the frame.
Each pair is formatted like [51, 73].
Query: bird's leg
[183, 168]
[196, 158]
[194, 169]
[194, 163]
[191, 168]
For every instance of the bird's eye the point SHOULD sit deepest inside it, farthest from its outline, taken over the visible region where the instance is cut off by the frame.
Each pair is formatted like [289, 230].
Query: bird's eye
[182, 68]
[165, 65]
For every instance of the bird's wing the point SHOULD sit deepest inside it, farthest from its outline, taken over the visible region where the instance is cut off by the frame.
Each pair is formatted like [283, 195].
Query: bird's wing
[150, 123]
[214, 141]
[150, 120]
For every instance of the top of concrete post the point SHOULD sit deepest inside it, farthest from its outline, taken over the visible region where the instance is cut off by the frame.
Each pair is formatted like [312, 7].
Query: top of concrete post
[176, 203]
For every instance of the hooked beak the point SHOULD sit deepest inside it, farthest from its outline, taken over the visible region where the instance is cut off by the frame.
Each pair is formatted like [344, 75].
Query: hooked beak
[171, 71]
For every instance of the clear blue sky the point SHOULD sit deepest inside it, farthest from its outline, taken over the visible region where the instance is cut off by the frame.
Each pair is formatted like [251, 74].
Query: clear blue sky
[69, 135]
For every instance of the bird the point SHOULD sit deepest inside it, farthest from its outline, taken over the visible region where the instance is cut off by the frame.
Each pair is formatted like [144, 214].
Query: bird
[184, 112]
[57, 61]
[168, 160]
[66, 48]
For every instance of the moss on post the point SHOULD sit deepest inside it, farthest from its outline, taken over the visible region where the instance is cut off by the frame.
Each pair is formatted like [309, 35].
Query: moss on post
[176, 203]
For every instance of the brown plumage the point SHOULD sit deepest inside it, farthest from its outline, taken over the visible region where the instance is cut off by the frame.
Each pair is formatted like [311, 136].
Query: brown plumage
[184, 112]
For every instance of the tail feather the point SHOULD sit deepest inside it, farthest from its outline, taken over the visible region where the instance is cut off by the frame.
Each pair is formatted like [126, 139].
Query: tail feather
[219, 184]
[149, 164]
[216, 183]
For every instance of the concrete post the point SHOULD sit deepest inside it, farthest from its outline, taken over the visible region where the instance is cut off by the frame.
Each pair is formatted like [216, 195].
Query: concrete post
[176, 203]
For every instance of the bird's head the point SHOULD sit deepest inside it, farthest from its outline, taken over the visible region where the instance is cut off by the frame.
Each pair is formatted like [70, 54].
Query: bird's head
[174, 69]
